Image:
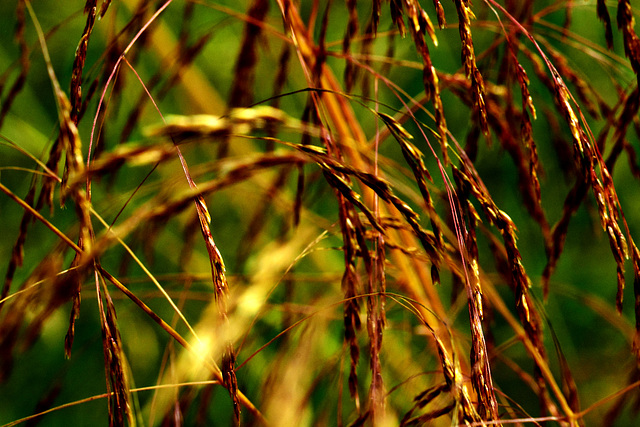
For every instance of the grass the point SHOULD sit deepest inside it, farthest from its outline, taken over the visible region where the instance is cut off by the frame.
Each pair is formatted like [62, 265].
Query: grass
[319, 213]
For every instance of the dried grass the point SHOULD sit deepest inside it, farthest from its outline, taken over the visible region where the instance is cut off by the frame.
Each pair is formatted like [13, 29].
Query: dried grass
[332, 208]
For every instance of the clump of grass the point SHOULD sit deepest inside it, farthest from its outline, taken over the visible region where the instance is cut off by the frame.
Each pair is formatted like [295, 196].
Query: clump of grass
[302, 254]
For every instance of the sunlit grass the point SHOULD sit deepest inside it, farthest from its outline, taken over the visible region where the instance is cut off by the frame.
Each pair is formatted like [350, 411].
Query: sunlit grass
[319, 213]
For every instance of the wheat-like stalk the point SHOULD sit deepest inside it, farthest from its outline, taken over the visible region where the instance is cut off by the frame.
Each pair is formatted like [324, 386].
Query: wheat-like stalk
[319, 213]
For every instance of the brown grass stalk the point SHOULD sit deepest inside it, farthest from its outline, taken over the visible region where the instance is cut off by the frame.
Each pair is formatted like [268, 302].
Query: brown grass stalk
[284, 214]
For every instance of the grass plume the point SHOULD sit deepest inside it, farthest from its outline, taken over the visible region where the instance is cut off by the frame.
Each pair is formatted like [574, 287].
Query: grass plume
[320, 213]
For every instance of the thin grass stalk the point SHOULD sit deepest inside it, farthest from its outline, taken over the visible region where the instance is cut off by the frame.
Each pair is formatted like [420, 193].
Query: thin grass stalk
[376, 318]
[221, 287]
[25, 64]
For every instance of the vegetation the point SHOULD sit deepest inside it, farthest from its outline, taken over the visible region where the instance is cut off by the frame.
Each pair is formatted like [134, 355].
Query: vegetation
[319, 213]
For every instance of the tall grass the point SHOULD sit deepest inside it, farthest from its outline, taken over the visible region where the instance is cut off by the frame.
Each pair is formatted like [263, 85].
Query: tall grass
[319, 213]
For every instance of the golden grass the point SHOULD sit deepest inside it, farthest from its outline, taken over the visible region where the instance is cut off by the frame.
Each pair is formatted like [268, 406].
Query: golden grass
[352, 274]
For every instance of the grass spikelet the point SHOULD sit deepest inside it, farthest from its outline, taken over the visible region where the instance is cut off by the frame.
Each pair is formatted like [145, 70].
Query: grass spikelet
[603, 15]
[419, 23]
[380, 187]
[535, 202]
[442, 22]
[104, 7]
[230, 381]
[79, 61]
[350, 288]
[626, 23]
[75, 283]
[479, 359]
[471, 69]
[395, 6]
[220, 285]
[462, 408]
[414, 159]
[120, 408]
